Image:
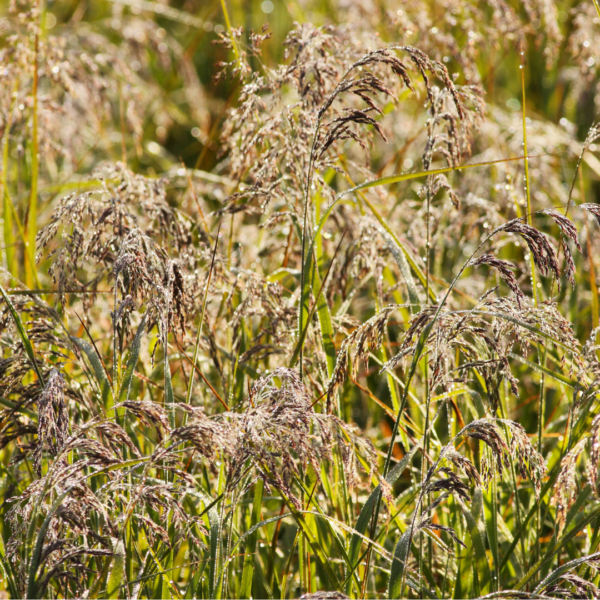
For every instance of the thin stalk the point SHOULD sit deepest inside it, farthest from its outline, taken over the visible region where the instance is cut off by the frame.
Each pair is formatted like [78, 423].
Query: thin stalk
[115, 376]
[230, 31]
[593, 286]
[541, 359]
[122, 119]
[303, 253]
[426, 376]
[504, 414]
[527, 186]
[6, 208]
[419, 350]
[29, 251]
[197, 346]
[32, 212]
[309, 173]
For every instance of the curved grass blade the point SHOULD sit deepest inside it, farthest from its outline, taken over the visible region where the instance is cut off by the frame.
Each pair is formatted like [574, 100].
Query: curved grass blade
[477, 533]
[397, 569]
[35, 559]
[406, 176]
[22, 334]
[313, 541]
[197, 346]
[366, 515]
[553, 475]
[564, 569]
[215, 544]
[32, 580]
[312, 269]
[248, 569]
[98, 369]
[520, 323]
[131, 363]
[552, 551]
[7, 572]
[411, 261]
[400, 257]
[554, 374]
[18, 408]
[396, 179]
[116, 577]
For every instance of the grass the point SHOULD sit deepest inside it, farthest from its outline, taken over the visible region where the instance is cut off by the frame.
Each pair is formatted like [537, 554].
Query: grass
[307, 309]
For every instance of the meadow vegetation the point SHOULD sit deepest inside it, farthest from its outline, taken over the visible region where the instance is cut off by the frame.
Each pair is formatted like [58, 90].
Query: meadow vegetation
[299, 299]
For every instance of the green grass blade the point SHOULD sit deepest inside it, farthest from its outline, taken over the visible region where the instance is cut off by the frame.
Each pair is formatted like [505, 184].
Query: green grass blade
[134, 356]
[553, 475]
[411, 261]
[169, 401]
[407, 176]
[30, 276]
[215, 548]
[116, 577]
[553, 550]
[7, 572]
[542, 369]
[564, 569]
[22, 334]
[398, 565]
[366, 513]
[198, 336]
[34, 563]
[6, 202]
[520, 323]
[248, 569]
[169, 396]
[17, 408]
[400, 257]
[477, 532]
[313, 542]
[99, 371]
[491, 523]
[313, 273]
[326, 326]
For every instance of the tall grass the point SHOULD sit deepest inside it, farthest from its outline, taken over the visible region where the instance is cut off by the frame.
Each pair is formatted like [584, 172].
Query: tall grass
[302, 310]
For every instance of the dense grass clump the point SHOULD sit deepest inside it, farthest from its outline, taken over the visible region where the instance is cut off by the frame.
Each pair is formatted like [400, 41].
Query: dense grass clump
[302, 309]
